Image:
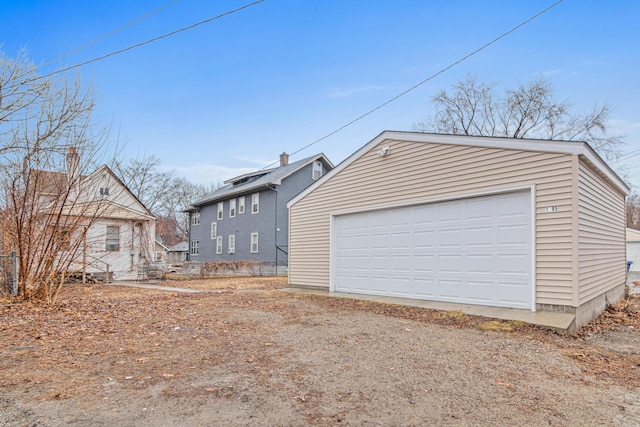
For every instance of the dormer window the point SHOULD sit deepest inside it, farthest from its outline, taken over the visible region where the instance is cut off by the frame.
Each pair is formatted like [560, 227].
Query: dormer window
[316, 172]
[104, 191]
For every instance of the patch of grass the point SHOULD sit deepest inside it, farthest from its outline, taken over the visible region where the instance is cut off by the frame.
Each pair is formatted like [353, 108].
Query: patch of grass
[455, 314]
[498, 325]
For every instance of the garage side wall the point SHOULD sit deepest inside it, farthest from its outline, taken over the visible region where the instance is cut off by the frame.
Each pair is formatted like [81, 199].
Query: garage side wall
[601, 235]
[418, 172]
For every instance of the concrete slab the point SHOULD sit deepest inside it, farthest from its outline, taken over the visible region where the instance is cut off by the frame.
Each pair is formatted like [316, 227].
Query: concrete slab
[557, 321]
[632, 279]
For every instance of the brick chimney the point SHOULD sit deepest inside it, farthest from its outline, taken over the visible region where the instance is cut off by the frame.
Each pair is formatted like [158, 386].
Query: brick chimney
[73, 166]
[284, 159]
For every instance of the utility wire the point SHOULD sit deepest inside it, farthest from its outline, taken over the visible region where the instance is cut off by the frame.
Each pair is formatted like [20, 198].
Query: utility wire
[197, 24]
[464, 58]
[110, 33]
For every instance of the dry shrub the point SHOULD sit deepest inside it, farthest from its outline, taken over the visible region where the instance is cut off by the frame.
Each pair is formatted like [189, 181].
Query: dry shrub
[230, 267]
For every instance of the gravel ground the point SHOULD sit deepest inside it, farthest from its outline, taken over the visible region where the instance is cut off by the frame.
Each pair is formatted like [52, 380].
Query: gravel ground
[136, 357]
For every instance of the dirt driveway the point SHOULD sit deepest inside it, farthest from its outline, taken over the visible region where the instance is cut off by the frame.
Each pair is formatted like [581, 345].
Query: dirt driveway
[114, 356]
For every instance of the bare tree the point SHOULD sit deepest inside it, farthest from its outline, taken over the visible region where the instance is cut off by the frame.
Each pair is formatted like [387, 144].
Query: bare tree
[45, 211]
[529, 111]
[149, 184]
[633, 210]
[163, 193]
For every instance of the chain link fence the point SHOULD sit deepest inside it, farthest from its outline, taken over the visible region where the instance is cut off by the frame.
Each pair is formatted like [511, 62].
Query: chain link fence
[9, 274]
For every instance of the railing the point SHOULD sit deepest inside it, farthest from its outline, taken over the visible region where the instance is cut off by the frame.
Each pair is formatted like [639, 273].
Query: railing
[103, 268]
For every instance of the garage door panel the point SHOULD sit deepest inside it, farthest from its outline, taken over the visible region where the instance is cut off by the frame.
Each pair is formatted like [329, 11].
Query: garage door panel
[451, 290]
[481, 209]
[513, 235]
[481, 291]
[449, 263]
[451, 238]
[448, 212]
[424, 288]
[480, 237]
[480, 264]
[509, 207]
[513, 293]
[424, 263]
[402, 286]
[400, 240]
[474, 251]
[514, 264]
[424, 239]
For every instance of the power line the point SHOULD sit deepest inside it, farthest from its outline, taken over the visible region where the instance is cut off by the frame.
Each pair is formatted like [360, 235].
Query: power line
[110, 33]
[464, 58]
[117, 52]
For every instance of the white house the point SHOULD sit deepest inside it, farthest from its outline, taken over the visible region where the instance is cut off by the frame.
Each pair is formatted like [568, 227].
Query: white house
[633, 249]
[119, 231]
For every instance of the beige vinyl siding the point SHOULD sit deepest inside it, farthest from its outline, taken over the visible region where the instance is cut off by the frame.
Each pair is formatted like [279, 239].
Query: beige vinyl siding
[601, 234]
[415, 172]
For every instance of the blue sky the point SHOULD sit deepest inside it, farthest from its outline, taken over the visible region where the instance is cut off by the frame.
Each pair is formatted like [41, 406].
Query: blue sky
[228, 96]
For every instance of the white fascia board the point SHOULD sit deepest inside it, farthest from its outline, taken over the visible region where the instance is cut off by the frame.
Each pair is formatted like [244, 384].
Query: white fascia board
[578, 148]
[311, 160]
[346, 162]
[540, 145]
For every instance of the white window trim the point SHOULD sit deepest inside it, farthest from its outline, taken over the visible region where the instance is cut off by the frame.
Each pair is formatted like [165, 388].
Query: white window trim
[256, 236]
[232, 208]
[110, 241]
[240, 205]
[219, 245]
[195, 218]
[195, 248]
[316, 168]
[220, 210]
[255, 201]
[232, 244]
[214, 230]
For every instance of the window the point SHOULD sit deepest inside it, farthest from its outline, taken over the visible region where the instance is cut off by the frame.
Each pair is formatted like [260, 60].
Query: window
[158, 257]
[195, 247]
[214, 230]
[219, 245]
[104, 191]
[232, 208]
[255, 203]
[113, 238]
[232, 243]
[220, 210]
[316, 171]
[195, 218]
[241, 205]
[254, 243]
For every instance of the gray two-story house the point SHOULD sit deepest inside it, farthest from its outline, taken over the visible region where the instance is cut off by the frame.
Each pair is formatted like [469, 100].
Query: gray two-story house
[247, 219]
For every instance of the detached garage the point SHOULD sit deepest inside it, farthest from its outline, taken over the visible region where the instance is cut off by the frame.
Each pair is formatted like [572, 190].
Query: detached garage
[524, 224]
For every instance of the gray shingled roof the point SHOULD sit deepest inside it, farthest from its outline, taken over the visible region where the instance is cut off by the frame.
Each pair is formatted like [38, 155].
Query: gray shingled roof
[180, 247]
[271, 176]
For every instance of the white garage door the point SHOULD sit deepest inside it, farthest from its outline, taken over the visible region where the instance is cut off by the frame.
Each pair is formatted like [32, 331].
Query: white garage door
[473, 251]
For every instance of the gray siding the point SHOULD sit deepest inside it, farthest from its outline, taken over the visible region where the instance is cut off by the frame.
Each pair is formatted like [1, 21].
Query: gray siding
[271, 223]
